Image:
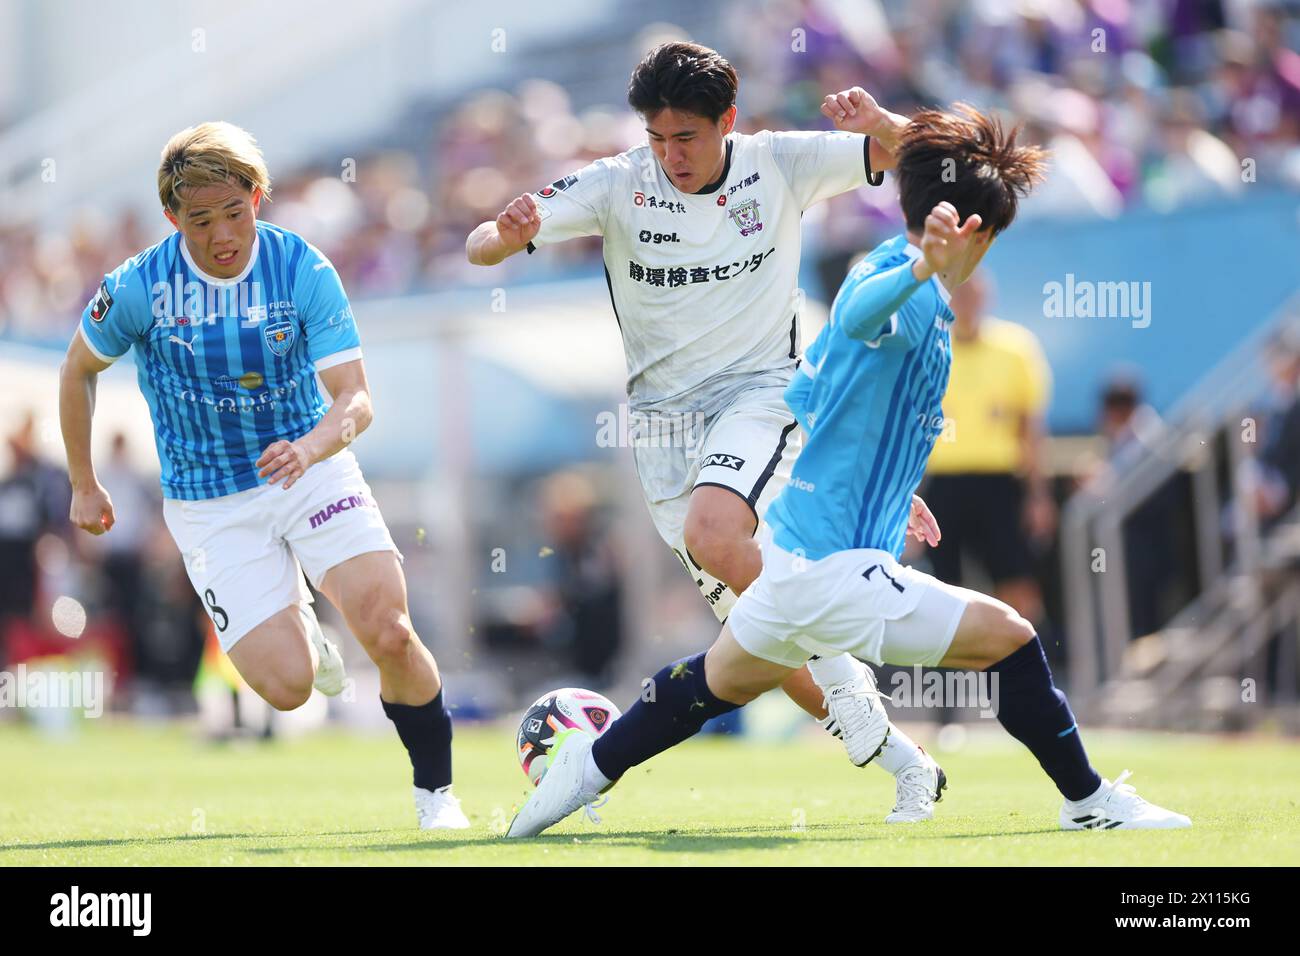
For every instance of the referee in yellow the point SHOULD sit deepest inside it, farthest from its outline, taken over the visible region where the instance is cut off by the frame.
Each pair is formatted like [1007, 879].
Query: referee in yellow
[985, 479]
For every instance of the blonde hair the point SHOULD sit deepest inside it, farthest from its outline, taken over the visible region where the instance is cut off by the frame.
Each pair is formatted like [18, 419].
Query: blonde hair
[210, 154]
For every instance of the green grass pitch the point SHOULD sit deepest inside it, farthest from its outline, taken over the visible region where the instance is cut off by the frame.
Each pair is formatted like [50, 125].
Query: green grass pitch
[123, 794]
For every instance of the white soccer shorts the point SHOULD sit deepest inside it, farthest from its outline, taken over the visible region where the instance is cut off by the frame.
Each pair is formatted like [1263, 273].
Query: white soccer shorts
[246, 552]
[749, 448]
[861, 602]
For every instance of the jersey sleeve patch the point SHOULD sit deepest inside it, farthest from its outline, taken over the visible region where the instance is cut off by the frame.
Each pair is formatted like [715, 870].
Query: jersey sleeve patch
[546, 192]
[100, 303]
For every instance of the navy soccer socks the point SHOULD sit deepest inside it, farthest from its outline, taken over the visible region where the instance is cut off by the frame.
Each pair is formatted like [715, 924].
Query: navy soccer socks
[672, 707]
[425, 730]
[1038, 715]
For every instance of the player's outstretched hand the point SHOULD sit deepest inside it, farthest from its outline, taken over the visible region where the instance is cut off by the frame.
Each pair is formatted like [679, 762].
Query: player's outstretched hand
[944, 244]
[283, 461]
[92, 509]
[854, 111]
[518, 223]
[921, 524]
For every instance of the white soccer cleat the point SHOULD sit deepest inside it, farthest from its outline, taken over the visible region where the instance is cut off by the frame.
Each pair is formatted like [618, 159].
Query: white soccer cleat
[1116, 806]
[857, 716]
[439, 810]
[562, 789]
[330, 673]
[920, 787]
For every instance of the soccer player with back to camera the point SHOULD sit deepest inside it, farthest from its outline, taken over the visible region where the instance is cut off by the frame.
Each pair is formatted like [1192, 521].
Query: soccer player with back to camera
[232, 320]
[701, 248]
[869, 396]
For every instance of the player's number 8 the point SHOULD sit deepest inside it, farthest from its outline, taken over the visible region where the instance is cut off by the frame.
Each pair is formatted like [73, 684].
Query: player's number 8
[218, 613]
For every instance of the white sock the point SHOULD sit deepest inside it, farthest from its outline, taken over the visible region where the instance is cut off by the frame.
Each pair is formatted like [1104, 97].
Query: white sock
[900, 752]
[829, 671]
[593, 781]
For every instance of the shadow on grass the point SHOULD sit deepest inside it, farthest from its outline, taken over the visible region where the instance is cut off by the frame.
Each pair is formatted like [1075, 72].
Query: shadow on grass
[165, 840]
[672, 840]
[710, 840]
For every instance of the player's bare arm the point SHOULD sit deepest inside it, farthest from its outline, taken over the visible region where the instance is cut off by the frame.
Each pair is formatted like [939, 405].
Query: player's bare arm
[92, 509]
[856, 111]
[511, 232]
[348, 416]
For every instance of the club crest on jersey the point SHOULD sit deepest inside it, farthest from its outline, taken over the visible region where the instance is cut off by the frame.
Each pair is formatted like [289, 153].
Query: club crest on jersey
[745, 216]
[101, 303]
[280, 336]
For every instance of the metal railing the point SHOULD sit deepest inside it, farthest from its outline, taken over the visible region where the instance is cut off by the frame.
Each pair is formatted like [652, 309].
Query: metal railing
[1205, 437]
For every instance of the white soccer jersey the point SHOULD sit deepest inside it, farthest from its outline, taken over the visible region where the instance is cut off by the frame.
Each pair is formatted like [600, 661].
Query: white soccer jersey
[703, 284]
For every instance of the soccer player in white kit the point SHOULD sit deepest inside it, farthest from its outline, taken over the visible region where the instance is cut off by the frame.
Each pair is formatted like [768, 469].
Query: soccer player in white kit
[233, 321]
[701, 230]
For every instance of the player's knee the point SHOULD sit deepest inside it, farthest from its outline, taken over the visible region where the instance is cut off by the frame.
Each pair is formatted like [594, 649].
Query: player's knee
[1008, 632]
[390, 637]
[733, 690]
[711, 540]
[286, 692]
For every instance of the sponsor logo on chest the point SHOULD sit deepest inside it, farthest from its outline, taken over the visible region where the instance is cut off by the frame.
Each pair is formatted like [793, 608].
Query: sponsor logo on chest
[645, 201]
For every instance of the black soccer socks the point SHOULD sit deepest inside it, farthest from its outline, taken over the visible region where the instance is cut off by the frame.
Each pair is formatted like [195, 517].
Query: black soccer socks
[1038, 715]
[673, 706]
[425, 730]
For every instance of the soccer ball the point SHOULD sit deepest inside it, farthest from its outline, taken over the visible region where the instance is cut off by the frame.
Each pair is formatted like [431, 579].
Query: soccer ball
[551, 714]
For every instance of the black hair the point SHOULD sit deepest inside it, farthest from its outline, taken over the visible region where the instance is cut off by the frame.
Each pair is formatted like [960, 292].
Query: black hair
[683, 76]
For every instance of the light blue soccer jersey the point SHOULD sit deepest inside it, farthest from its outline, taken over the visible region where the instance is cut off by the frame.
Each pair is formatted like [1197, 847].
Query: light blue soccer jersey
[228, 366]
[868, 395]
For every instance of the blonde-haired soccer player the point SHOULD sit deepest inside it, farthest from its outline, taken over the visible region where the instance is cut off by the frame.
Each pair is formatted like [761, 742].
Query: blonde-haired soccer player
[232, 320]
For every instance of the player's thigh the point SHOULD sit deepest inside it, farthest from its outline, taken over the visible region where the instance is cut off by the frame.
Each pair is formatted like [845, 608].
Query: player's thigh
[736, 675]
[987, 632]
[750, 450]
[240, 570]
[760, 627]
[370, 592]
[329, 519]
[274, 658]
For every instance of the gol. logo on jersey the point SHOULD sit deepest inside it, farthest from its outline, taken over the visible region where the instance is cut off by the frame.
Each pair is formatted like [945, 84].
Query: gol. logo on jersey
[745, 216]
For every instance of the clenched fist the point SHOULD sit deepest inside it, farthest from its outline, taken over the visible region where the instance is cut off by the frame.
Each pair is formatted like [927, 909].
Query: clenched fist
[92, 509]
[518, 223]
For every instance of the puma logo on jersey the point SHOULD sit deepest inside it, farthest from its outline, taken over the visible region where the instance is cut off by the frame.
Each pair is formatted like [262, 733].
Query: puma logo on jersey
[180, 341]
[725, 461]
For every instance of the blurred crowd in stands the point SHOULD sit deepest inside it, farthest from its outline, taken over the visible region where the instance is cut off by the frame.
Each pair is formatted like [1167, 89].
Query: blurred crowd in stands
[1155, 103]
[1144, 103]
